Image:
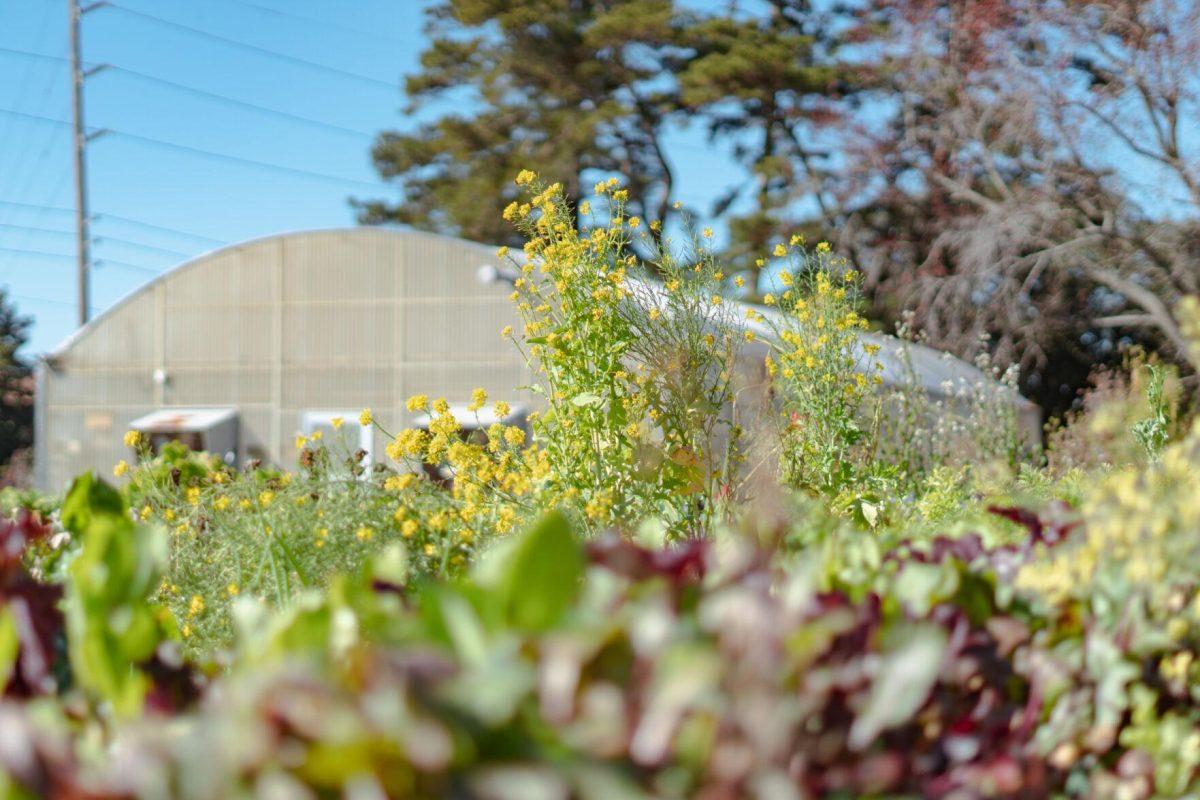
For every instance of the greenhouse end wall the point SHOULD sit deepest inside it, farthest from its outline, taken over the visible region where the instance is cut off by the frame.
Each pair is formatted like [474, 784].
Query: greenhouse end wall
[315, 321]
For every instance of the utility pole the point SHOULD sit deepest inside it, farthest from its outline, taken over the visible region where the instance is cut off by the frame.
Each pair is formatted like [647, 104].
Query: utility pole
[82, 234]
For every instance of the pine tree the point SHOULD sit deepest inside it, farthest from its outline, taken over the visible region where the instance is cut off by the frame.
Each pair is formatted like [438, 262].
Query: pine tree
[566, 87]
[16, 382]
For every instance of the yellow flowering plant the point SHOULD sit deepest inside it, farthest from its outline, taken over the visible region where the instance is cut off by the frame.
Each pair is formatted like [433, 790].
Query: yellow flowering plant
[276, 535]
[636, 378]
[822, 368]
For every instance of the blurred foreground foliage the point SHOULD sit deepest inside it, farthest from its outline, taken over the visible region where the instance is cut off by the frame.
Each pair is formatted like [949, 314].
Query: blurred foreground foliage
[1053, 652]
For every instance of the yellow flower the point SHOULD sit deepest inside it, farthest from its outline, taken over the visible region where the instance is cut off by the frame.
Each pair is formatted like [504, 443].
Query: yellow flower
[408, 528]
[366, 417]
[193, 495]
[797, 240]
[635, 222]
[196, 606]
[506, 331]
[502, 409]
[769, 299]
[232, 589]
[780, 250]
[823, 247]
[749, 336]
[121, 468]
[501, 252]
[478, 400]
[707, 233]
[265, 498]
[418, 402]
[337, 423]
[300, 442]
[221, 503]
[133, 438]
[145, 513]
[525, 177]
[364, 533]
[739, 281]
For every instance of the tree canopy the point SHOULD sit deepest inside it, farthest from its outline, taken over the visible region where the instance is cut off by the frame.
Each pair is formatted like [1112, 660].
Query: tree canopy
[1021, 173]
[570, 86]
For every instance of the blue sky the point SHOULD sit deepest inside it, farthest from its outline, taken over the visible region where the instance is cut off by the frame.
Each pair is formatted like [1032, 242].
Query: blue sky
[157, 205]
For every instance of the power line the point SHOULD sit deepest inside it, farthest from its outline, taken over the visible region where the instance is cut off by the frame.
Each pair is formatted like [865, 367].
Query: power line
[324, 24]
[97, 239]
[240, 160]
[36, 229]
[44, 254]
[148, 247]
[41, 211]
[202, 93]
[367, 79]
[29, 298]
[108, 262]
[127, 220]
[329, 126]
[24, 81]
[138, 223]
[204, 153]
[35, 253]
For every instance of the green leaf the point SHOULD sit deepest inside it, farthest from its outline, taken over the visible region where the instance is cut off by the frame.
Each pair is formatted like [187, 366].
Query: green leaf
[392, 565]
[907, 674]
[541, 575]
[9, 645]
[920, 586]
[87, 498]
[111, 626]
[586, 399]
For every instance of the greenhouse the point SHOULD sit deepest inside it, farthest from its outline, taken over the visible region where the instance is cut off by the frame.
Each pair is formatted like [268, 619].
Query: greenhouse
[240, 350]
